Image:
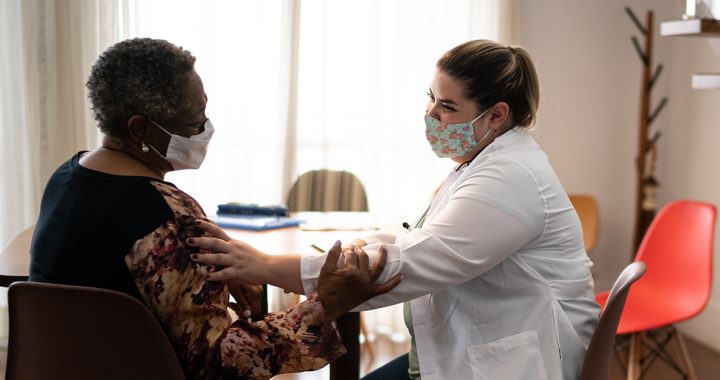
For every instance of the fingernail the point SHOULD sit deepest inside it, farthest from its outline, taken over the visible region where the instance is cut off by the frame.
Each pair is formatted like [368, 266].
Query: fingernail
[247, 313]
[190, 241]
[337, 244]
[194, 256]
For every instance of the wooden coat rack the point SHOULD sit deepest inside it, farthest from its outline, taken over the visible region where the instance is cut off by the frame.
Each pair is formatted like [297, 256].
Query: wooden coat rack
[646, 183]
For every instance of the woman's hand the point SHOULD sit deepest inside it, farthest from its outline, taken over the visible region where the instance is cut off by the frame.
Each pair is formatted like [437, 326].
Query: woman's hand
[235, 260]
[248, 299]
[341, 289]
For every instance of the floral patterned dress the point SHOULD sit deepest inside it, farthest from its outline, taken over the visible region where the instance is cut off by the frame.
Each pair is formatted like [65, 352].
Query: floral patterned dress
[194, 311]
[128, 234]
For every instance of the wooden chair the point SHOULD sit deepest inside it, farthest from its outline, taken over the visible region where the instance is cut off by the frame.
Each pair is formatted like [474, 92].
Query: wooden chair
[597, 359]
[587, 209]
[74, 332]
[327, 190]
[334, 190]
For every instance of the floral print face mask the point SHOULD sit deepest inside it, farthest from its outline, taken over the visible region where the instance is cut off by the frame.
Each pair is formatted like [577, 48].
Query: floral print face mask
[452, 140]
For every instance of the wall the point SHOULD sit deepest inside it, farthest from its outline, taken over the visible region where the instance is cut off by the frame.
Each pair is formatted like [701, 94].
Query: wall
[690, 163]
[588, 121]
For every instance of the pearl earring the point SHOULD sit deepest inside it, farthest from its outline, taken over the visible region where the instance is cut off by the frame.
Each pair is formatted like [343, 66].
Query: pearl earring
[144, 148]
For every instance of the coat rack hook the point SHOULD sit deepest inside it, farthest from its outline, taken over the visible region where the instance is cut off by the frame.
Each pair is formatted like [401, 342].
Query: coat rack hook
[655, 76]
[635, 20]
[659, 108]
[639, 50]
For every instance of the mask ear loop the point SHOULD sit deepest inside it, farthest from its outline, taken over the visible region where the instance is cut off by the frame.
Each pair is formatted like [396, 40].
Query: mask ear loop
[486, 135]
[146, 147]
[489, 129]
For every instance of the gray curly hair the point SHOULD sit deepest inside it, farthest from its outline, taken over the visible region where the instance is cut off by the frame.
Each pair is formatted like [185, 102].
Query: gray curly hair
[140, 76]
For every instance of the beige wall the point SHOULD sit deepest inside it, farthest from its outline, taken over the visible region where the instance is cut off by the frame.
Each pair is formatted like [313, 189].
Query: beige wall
[692, 163]
[590, 88]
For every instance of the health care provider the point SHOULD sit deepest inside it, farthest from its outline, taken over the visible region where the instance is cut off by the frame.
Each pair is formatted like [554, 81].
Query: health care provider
[495, 272]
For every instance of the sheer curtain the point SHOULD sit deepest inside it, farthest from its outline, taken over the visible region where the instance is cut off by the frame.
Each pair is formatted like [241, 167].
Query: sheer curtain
[354, 100]
[365, 67]
[241, 49]
[46, 50]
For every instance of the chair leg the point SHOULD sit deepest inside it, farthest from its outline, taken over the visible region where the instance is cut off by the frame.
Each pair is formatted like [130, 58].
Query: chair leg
[683, 354]
[634, 363]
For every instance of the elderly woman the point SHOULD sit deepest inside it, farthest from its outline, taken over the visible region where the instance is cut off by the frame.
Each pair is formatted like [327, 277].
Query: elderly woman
[109, 220]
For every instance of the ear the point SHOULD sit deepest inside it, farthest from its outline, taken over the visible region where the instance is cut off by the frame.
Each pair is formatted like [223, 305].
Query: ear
[499, 116]
[138, 128]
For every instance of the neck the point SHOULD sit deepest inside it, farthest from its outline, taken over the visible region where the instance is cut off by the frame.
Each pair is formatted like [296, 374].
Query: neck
[137, 160]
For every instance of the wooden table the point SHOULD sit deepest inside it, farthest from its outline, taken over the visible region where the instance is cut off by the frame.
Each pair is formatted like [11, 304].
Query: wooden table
[322, 229]
[15, 259]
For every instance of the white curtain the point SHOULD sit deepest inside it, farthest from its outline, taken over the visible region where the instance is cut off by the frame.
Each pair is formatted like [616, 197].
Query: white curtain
[365, 67]
[242, 56]
[46, 50]
[338, 84]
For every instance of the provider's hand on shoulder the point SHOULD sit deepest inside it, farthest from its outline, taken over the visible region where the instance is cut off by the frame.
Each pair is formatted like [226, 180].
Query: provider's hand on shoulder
[233, 259]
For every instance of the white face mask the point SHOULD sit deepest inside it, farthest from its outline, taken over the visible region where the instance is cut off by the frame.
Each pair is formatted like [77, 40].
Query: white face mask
[184, 152]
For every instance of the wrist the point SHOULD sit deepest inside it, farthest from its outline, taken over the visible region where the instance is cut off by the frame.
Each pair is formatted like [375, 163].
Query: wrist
[329, 311]
[283, 271]
[266, 268]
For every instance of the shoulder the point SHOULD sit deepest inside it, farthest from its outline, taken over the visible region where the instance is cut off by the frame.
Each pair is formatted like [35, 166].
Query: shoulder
[179, 201]
[507, 183]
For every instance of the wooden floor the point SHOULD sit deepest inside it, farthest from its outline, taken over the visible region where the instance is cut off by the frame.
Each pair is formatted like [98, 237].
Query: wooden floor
[705, 360]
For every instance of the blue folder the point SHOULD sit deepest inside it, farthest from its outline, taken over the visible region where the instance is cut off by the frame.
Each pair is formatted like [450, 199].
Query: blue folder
[256, 222]
[235, 208]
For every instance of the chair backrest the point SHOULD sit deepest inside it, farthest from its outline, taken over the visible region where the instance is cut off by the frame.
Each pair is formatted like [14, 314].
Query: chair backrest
[327, 190]
[587, 209]
[74, 332]
[678, 250]
[597, 358]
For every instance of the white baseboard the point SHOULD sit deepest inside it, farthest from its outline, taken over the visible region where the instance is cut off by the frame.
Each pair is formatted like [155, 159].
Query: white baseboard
[704, 327]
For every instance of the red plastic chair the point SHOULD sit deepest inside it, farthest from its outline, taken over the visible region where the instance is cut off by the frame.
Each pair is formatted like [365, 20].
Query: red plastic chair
[677, 249]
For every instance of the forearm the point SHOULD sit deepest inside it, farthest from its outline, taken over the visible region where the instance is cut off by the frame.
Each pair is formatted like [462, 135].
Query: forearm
[283, 271]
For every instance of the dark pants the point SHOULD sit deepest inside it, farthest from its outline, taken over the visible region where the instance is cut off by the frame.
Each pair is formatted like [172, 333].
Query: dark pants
[397, 369]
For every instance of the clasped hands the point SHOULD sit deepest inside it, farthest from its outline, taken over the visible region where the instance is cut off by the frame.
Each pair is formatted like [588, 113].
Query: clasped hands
[339, 288]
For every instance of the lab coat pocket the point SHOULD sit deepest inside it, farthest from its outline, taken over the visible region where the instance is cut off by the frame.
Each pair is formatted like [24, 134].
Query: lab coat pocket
[510, 358]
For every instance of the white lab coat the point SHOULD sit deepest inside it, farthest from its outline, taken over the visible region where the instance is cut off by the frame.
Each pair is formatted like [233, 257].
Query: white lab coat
[498, 276]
